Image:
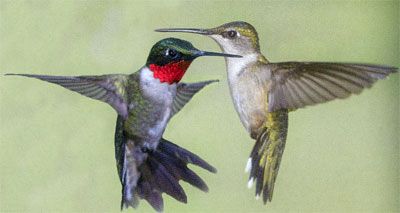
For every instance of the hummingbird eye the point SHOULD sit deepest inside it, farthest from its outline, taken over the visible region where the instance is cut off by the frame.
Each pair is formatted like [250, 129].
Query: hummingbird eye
[171, 53]
[229, 34]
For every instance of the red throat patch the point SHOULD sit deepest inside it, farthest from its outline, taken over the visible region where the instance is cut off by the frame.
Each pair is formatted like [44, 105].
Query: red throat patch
[170, 73]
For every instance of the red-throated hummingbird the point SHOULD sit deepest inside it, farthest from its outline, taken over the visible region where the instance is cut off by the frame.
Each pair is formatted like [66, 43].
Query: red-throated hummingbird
[148, 165]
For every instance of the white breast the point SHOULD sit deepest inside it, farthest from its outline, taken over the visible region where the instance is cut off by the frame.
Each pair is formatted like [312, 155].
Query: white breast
[162, 95]
[243, 88]
[153, 88]
[236, 65]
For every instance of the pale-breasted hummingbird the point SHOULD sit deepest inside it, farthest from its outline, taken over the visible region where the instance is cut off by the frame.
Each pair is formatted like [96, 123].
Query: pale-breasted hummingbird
[148, 165]
[264, 92]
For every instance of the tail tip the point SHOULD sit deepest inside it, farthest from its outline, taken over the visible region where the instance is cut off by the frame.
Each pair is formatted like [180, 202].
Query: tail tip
[211, 169]
[248, 165]
[250, 183]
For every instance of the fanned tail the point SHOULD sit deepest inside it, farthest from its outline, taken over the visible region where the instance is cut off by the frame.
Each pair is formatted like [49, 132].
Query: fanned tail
[163, 169]
[146, 174]
[267, 153]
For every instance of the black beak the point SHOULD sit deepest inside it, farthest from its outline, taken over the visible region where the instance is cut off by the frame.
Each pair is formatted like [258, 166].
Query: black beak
[205, 53]
[201, 32]
[187, 30]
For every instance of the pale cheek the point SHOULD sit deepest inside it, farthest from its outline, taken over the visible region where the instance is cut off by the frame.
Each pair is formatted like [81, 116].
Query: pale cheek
[227, 45]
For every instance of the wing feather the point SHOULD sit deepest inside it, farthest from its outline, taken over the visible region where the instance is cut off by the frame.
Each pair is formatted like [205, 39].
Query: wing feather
[185, 92]
[299, 84]
[106, 88]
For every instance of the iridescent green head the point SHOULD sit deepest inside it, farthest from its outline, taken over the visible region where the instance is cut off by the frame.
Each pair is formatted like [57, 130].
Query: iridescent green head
[235, 37]
[170, 58]
[172, 50]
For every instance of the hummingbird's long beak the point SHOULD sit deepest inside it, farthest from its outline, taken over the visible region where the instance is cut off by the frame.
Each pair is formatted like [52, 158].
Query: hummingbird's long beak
[201, 32]
[205, 53]
[187, 30]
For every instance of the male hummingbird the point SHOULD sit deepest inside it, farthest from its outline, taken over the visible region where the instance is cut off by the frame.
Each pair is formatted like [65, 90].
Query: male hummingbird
[263, 93]
[148, 165]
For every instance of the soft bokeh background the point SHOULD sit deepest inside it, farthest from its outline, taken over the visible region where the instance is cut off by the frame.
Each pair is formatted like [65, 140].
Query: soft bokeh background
[57, 149]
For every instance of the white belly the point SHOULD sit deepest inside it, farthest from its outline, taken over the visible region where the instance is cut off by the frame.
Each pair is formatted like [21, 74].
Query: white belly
[247, 94]
[156, 130]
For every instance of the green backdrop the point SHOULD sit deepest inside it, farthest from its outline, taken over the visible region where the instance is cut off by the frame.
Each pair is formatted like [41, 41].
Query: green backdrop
[57, 149]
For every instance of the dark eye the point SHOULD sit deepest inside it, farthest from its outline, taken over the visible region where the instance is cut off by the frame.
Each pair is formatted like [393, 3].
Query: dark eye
[232, 33]
[171, 53]
[229, 34]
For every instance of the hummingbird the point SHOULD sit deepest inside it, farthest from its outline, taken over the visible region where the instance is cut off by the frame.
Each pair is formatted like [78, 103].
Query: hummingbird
[264, 93]
[148, 165]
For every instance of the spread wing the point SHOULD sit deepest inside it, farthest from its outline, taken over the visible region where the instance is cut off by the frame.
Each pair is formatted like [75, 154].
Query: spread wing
[185, 92]
[298, 84]
[106, 88]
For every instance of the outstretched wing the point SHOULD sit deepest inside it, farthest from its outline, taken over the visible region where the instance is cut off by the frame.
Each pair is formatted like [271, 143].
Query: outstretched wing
[185, 92]
[298, 84]
[106, 88]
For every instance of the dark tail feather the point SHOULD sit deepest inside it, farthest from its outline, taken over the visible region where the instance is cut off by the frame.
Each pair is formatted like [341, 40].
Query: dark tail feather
[163, 169]
[160, 173]
[153, 197]
[180, 170]
[164, 180]
[148, 174]
[267, 153]
[184, 155]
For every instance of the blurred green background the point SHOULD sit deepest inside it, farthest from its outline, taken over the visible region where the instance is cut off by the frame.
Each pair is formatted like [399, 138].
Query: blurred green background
[57, 149]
